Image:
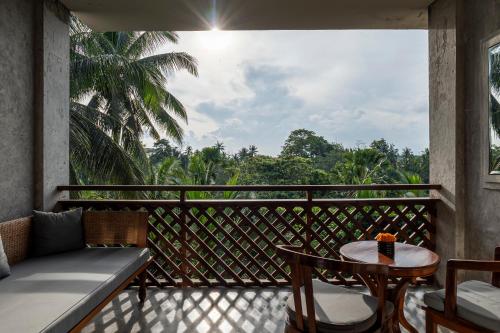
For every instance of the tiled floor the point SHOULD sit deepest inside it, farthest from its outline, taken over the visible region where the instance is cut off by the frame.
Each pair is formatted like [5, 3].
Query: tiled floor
[214, 310]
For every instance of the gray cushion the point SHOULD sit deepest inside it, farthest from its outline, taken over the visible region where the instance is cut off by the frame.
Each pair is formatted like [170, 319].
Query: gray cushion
[339, 309]
[53, 293]
[57, 232]
[477, 302]
[4, 264]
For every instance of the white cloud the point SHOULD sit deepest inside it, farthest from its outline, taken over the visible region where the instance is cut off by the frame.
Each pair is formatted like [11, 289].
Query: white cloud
[349, 86]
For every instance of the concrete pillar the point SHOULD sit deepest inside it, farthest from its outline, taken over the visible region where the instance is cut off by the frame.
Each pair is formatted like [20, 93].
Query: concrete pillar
[51, 117]
[16, 108]
[447, 162]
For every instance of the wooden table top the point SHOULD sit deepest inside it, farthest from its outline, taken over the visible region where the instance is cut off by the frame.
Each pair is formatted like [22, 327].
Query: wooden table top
[409, 260]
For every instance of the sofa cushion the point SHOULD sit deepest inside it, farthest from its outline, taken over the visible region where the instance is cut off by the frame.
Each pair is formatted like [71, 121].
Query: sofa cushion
[477, 302]
[57, 232]
[339, 309]
[4, 264]
[53, 293]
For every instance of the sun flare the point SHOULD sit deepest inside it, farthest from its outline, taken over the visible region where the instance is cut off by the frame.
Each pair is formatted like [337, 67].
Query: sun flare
[216, 39]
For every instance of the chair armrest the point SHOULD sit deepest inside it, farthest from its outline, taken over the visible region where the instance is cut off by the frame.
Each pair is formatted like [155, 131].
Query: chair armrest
[116, 227]
[454, 265]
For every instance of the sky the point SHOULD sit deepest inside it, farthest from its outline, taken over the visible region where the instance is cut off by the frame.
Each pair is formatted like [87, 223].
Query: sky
[255, 87]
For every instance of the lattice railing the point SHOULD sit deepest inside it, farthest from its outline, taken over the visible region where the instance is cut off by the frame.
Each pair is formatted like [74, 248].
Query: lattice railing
[231, 242]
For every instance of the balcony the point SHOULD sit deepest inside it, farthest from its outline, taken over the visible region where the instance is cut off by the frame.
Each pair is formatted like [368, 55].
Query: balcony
[230, 243]
[226, 246]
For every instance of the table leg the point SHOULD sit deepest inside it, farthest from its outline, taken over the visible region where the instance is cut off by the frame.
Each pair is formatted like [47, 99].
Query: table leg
[398, 298]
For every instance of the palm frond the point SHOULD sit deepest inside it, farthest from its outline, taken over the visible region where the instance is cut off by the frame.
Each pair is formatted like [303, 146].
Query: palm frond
[171, 62]
[146, 43]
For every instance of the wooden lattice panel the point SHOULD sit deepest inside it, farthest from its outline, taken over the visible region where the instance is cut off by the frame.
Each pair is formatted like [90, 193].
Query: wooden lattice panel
[232, 243]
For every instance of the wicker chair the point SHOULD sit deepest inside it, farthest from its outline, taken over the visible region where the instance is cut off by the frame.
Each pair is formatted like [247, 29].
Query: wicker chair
[317, 306]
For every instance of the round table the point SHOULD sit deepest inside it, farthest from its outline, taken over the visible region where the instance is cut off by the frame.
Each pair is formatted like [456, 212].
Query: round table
[409, 263]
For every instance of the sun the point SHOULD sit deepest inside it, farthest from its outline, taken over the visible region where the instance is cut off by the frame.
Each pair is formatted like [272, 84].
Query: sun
[216, 39]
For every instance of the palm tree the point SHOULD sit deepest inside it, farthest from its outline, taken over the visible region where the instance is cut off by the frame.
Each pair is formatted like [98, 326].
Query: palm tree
[124, 81]
[198, 172]
[252, 150]
[220, 146]
[411, 178]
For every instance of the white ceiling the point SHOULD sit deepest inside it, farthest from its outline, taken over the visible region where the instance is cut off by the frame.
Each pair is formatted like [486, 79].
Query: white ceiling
[193, 15]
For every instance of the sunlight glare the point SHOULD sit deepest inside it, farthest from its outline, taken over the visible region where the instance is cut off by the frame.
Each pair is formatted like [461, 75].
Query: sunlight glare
[216, 39]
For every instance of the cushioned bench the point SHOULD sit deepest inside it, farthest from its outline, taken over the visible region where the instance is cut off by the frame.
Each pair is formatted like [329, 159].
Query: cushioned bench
[62, 292]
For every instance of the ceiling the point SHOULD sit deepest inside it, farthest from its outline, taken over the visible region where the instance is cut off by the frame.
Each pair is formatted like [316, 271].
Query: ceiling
[193, 15]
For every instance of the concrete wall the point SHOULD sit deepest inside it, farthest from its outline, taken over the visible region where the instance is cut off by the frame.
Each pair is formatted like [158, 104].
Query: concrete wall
[447, 127]
[483, 205]
[16, 108]
[469, 215]
[34, 105]
[51, 103]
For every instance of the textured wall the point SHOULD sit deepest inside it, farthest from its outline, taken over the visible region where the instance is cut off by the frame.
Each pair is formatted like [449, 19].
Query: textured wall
[52, 120]
[446, 127]
[469, 215]
[34, 105]
[16, 108]
[483, 205]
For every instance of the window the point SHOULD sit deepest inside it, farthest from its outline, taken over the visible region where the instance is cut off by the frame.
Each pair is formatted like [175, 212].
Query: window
[490, 121]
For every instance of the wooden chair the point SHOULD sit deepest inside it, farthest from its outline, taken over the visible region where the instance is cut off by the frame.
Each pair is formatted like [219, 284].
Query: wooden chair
[468, 307]
[329, 308]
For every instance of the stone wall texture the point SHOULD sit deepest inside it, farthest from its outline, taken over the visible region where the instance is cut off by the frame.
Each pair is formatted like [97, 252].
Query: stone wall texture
[469, 214]
[482, 227]
[34, 105]
[16, 108]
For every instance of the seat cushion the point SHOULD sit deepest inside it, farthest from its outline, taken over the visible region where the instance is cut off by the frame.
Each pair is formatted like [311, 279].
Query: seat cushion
[339, 309]
[53, 293]
[477, 302]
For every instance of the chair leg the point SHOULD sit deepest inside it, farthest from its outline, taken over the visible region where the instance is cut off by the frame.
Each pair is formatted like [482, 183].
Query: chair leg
[430, 325]
[142, 287]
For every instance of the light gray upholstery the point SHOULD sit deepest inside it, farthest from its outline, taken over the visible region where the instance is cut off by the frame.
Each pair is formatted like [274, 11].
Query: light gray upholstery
[339, 309]
[477, 302]
[53, 293]
[4, 264]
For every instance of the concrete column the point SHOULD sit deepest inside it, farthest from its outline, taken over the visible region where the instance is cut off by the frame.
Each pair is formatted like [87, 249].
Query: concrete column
[51, 102]
[16, 108]
[447, 160]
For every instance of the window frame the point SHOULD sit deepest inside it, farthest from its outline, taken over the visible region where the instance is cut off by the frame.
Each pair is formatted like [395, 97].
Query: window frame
[489, 180]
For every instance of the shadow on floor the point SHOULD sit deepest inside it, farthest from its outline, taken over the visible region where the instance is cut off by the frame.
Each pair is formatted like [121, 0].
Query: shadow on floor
[214, 310]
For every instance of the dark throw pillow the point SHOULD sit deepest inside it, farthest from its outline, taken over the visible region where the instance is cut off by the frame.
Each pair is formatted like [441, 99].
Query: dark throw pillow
[4, 264]
[57, 232]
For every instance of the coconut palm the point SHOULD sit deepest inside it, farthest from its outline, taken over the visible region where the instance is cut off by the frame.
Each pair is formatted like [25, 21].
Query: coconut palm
[124, 79]
[252, 150]
[198, 172]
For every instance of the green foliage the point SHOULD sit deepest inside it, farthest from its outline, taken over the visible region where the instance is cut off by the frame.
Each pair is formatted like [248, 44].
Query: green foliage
[379, 163]
[306, 144]
[124, 81]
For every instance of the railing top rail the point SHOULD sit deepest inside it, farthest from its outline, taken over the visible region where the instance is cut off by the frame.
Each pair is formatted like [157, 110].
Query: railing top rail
[249, 188]
[245, 201]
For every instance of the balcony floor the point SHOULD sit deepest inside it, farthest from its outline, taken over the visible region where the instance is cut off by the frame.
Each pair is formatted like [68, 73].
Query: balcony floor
[214, 310]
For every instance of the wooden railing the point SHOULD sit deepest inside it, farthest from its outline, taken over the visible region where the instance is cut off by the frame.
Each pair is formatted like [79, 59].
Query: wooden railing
[231, 242]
